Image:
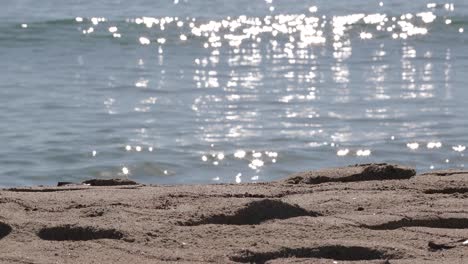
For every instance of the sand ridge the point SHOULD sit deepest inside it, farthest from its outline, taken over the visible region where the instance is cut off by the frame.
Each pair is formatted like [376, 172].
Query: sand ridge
[372, 213]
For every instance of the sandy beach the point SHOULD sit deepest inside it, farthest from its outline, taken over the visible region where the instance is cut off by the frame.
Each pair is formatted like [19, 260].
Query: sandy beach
[375, 213]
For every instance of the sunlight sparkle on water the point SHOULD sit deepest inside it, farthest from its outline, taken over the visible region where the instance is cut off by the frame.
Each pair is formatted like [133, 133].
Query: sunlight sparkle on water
[313, 9]
[342, 152]
[363, 152]
[427, 17]
[240, 154]
[257, 163]
[289, 48]
[431, 145]
[238, 178]
[365, 35]
[88, 31]
[142, 84]
[144, 41]
[413, 145]
[459, 148]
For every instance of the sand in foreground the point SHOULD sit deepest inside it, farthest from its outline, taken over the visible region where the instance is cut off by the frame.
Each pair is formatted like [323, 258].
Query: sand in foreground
[369, 214]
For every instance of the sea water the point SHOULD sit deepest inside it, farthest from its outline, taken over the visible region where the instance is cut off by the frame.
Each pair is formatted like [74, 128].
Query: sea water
[194, 91]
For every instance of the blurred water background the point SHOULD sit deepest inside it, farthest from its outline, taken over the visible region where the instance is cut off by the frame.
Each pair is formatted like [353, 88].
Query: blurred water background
[195, 91]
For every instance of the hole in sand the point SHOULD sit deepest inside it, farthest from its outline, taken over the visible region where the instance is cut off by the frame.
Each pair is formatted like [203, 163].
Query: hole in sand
[450, 223]
[336, 252]
[256, 212]
[447, 190]
[75, 233]
[4, 230]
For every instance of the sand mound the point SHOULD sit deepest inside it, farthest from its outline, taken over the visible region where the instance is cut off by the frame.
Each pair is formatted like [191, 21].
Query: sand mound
[255, 213]
[364, 172]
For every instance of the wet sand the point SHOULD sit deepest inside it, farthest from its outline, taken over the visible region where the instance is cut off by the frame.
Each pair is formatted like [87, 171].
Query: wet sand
[365, 214]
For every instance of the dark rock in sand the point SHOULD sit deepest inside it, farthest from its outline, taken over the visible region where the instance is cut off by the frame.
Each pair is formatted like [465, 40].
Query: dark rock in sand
[359, 172]
[109, 182]
[66, 183]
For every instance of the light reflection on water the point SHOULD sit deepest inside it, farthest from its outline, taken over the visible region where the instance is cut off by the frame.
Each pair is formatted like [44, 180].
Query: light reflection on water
[182, 99]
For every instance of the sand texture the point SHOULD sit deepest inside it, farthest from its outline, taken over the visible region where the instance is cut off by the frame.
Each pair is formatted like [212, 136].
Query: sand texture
[374, 213]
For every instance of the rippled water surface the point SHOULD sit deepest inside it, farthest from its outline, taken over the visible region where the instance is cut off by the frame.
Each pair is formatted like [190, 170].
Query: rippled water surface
[192, 91]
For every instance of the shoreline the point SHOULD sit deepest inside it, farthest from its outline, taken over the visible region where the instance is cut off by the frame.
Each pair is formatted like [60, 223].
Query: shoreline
[372, 213]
